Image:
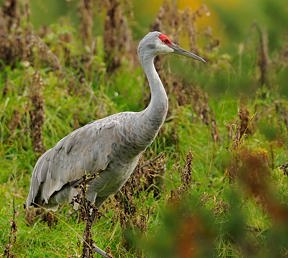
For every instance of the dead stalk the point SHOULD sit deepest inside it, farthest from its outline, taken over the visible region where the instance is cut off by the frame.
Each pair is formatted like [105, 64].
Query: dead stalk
[36, 113]
[12, 235]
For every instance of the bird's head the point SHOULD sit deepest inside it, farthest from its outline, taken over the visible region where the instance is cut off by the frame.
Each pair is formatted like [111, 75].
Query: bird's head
[155, 43]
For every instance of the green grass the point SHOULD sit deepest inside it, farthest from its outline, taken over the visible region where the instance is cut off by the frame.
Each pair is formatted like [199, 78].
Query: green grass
[227, 220]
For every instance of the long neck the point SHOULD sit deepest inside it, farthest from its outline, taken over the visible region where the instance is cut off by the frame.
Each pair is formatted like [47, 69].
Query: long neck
[158, 106]
[153, 116]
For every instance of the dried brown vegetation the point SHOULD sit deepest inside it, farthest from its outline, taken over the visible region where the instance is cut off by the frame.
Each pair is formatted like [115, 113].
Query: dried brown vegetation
[36, 113]
[18, 42]
[253, 172]
[243, 126]
[193, 236]
[86, 16]
[147, 177]
[15, 121]
[117, 35]
[88, 212]
[263, 56]
[8, 251]
[84, 63]
[236, 132]
[186, 180]
[281, 109]
[5, 88]
[178, 23]
[9, 21]
[32, 215]
[174, 22]
[183, 23]
[186, 173]
[201, 108]
[188, 233]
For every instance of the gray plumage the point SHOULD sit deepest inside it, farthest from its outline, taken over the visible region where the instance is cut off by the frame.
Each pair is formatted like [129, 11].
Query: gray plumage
[108, 148]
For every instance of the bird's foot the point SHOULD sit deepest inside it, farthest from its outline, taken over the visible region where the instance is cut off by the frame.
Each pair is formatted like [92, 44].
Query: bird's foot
[106, 254]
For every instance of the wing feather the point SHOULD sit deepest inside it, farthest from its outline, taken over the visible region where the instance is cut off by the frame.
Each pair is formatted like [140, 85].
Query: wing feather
[85, 150]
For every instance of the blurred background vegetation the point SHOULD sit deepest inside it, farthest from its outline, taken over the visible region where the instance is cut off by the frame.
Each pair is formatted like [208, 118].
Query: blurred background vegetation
[214, 182]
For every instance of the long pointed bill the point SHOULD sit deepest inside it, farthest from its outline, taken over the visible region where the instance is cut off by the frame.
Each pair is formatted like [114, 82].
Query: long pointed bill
[180, 51]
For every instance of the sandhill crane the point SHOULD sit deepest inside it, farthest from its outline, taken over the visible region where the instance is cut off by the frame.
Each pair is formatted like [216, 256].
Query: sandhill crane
[108, 148]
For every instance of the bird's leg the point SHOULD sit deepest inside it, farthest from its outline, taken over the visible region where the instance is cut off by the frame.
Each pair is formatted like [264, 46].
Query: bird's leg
[89, 247]
[88, 212]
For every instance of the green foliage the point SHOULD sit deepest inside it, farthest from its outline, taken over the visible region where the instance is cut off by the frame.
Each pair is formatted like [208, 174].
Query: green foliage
[218, 214]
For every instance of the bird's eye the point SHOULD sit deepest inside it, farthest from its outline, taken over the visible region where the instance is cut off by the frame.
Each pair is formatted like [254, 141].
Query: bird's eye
[151, 46]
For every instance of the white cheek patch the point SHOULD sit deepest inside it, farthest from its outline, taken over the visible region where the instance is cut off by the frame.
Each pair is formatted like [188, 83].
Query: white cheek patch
[162, 48]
